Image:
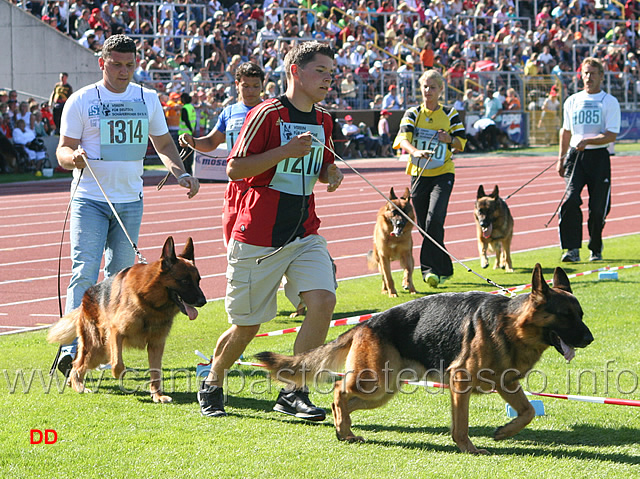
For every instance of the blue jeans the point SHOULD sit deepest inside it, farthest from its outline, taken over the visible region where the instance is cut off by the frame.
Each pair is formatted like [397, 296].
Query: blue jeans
[94, 230]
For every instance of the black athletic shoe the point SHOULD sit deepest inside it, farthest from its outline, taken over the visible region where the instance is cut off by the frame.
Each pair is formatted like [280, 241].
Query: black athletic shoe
[296, 403]
[211, 399]
[595, 256]
[64, 364]
[571, 256]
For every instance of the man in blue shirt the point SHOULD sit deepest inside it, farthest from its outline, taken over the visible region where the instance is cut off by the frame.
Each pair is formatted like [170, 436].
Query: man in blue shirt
[249, 80]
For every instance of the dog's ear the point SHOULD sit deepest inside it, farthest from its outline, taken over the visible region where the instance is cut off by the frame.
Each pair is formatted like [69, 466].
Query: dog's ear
[392, 194]
[539, 287]
[187, 252]
[494, 193]
[407, 193]
[561, 280]
[168, 254]
[480, 192]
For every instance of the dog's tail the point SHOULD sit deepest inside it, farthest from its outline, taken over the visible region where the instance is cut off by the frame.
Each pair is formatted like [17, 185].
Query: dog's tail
[64, 331]
[312, 365]
[372, 260]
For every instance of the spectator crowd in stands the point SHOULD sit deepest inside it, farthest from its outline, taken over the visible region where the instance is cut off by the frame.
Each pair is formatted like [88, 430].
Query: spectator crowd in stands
[381, 47]
[24, 124]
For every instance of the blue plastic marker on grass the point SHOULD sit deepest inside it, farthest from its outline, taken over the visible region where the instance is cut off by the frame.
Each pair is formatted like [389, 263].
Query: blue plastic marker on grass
[536, 403]
[608, 275]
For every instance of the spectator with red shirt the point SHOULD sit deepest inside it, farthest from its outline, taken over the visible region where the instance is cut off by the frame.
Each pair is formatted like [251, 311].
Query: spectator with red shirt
[455, 75]
[95, 18]
[5, 125]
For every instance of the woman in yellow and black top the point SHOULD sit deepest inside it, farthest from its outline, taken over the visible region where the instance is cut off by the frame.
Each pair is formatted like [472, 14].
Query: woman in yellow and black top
[430, 133]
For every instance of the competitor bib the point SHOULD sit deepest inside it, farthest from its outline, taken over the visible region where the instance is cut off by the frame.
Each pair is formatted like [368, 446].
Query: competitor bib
[234, 125]
[124, 130]
[423, 139]
[587, 118]
[298, 176]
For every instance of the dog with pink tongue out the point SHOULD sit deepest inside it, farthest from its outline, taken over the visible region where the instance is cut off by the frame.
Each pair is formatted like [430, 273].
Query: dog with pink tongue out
[494, 227]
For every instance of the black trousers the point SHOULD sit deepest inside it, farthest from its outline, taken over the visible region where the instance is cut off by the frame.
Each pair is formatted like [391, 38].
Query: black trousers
[430, 198]
[57, 116]
[593, 169]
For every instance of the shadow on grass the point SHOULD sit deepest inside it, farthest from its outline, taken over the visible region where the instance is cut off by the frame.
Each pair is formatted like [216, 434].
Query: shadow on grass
[557, 444]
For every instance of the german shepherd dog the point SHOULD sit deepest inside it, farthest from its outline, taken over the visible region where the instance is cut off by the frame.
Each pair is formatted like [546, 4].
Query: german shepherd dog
[475, 341]
[392, 241]
[494, 227]
[134, 308]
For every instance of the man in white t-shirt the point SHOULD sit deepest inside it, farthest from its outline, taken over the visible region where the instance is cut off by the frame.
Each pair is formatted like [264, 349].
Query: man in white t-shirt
[591, 123]
[107, 126]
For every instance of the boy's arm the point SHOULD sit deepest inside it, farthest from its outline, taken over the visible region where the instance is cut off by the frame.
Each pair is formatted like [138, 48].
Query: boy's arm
[253, 165]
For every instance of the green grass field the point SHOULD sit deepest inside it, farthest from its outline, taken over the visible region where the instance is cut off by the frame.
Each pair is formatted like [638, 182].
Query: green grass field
[117, 432]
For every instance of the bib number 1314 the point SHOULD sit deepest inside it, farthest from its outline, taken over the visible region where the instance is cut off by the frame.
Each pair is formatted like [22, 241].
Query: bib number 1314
[122, 132]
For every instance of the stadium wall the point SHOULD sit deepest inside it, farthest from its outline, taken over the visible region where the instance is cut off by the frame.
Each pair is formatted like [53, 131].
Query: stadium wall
[33, 55]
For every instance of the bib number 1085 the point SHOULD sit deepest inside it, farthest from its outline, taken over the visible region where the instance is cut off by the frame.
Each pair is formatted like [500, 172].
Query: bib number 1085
[587, 117]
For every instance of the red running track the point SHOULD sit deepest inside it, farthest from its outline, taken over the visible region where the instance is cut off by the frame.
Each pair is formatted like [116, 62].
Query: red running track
[33, 213]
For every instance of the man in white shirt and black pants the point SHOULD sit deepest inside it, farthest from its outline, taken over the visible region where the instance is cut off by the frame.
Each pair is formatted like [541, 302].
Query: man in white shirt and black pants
[591, 124]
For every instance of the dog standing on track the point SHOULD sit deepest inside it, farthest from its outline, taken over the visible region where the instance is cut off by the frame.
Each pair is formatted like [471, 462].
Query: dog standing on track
[135, 308]
[494, 226]
[392, 241]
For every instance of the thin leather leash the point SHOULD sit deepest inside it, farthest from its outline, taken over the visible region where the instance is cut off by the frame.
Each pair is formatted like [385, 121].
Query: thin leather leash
[422, 231]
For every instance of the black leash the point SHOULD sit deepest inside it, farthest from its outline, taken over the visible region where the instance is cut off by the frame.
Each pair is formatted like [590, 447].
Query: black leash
[431, 149]
[531, 180]
[184, 155]
[422, 231]
[566, 188]
[64, 227]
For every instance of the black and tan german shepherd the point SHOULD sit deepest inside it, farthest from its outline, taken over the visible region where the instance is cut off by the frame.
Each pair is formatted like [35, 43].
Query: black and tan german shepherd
[134, 308]
[494, 227]
[392, 241]
[477, 341]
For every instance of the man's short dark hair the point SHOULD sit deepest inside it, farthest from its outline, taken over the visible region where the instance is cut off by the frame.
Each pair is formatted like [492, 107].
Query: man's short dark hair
[118, 43]
[251, 70]
[304, 52]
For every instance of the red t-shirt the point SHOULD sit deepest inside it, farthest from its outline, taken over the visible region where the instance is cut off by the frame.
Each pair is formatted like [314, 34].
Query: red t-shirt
[267, 216]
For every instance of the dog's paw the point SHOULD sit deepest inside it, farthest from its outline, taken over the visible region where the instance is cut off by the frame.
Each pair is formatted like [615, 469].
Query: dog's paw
[509, 269]
[79, 388]
[159, 398]
[503, 432]
[299, 312]
[469, 448]
[409, 288]
[482, 452]
[499, 435]
[354, 439]
[349, 437]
